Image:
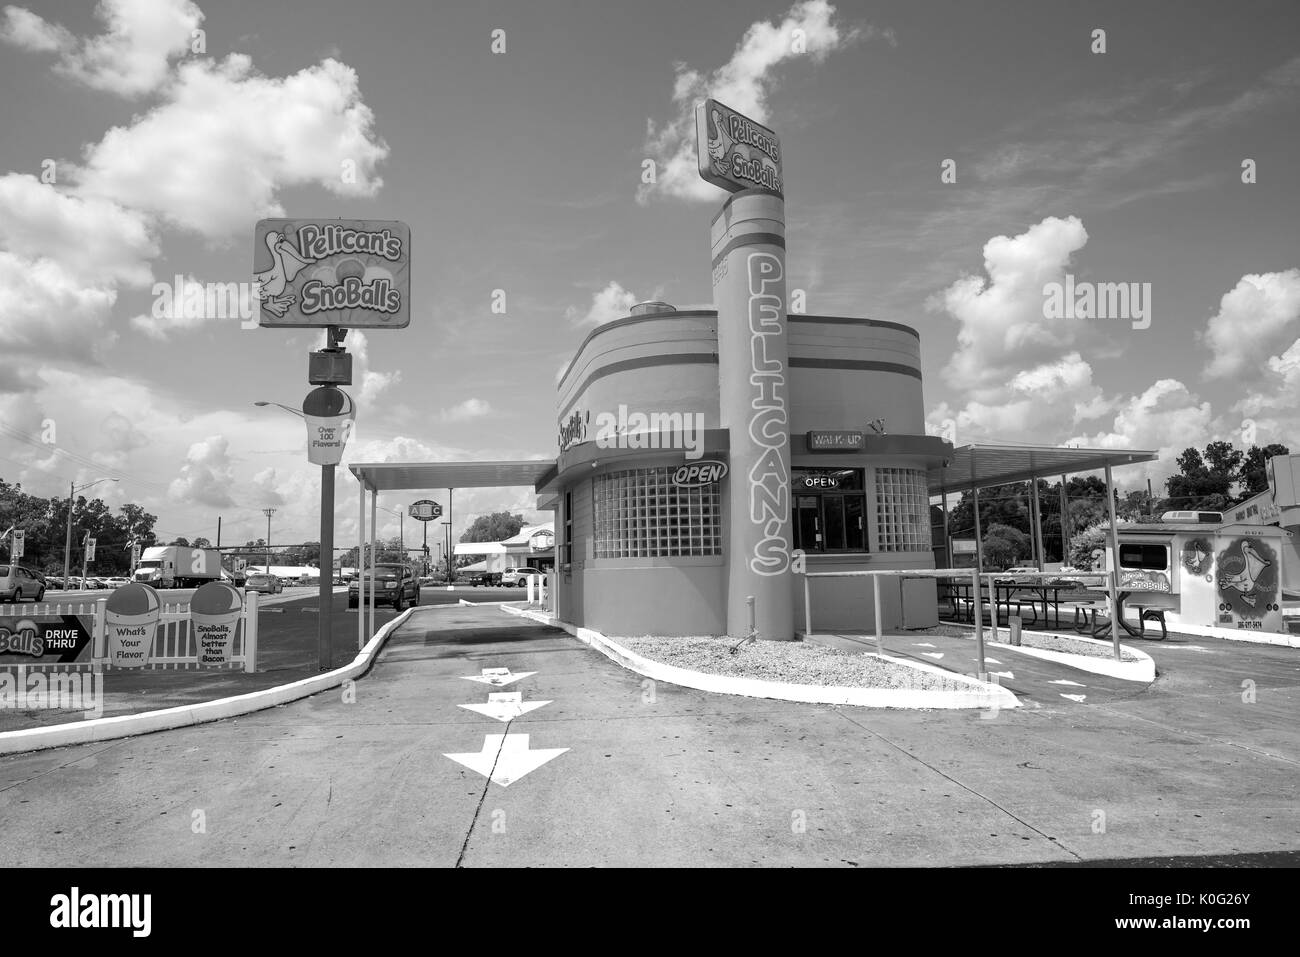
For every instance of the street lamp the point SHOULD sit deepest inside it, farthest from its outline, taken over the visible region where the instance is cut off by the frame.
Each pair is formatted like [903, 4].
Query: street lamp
[450, 575]
[67, 542]
[287, 408]
[402, 526]
[268, 512]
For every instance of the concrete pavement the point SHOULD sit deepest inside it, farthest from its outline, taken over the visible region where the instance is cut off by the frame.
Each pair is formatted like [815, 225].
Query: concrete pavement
[657, 775]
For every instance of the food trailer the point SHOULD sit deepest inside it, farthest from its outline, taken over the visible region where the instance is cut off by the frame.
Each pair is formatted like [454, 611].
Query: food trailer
[1199, 573]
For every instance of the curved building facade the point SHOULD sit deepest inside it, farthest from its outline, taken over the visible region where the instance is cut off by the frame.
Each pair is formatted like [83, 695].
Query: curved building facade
[642, 486]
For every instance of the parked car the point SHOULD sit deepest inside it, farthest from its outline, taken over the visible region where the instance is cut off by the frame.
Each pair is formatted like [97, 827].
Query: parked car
[18, 583]
[117, 582]
[476, 578]
[263, 584]
[1020, 575]
[54, 582]
[395, 585]
[518, 577]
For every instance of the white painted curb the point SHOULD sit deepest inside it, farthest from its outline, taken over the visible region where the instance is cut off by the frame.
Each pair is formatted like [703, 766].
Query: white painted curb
[1143, 669]
[981, 695]
[1231, 634]
[128, 725]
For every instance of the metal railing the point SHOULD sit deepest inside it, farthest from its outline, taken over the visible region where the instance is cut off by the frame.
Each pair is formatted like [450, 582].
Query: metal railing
[969, 574]
[1107, 577]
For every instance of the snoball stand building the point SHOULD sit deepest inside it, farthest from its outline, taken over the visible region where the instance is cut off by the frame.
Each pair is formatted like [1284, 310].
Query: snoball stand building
[704, 454]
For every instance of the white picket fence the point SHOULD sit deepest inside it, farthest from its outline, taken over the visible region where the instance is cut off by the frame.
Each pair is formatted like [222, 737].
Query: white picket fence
[174, 646]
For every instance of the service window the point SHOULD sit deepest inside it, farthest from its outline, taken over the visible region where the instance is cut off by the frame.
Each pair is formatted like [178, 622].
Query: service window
[1154, 557]
[829, 510]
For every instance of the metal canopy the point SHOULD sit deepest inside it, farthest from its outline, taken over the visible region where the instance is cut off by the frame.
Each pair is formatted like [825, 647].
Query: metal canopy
[389, 476]
[981, 466]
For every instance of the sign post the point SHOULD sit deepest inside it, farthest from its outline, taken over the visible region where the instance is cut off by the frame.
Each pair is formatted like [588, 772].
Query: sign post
[335, 274]
[748, 249]
[329, 414]
[87, 556]
[17, 544]
[425, 511]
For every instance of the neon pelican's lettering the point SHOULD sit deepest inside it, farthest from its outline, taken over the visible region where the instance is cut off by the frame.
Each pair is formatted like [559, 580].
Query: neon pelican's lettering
[769, 480]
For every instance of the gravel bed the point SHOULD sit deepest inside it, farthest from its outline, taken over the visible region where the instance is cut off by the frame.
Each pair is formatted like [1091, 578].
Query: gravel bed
[1063, 643]
[792, 662]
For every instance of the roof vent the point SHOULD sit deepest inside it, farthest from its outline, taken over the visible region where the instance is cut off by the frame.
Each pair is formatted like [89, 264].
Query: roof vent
[1200, 518]
[650, 307]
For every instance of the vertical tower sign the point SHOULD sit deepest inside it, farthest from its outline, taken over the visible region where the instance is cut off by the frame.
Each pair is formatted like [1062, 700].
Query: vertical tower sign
[748, 245]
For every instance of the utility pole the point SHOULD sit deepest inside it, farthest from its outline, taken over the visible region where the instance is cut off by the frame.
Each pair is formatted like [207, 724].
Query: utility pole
[268, 512]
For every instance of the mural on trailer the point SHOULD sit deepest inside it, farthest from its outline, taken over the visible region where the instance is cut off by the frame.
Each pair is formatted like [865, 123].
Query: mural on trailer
[1142, 579]
[1248, 580]
[1198, 557]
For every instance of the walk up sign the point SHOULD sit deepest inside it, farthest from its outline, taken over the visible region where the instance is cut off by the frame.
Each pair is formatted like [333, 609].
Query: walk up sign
[329, 414]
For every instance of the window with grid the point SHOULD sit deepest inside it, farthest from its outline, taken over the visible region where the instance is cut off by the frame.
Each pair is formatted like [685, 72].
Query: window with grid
[640, 513]
[902, 510]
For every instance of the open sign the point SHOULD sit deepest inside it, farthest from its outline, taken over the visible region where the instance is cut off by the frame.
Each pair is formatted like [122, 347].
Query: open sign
[695, 474]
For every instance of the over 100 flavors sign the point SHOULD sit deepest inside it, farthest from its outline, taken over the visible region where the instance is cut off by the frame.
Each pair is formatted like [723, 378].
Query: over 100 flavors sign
[353, 273]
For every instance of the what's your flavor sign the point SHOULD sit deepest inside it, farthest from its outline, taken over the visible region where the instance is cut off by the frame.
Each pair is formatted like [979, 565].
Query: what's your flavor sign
[735, 152]
[131, 621]
[353, 273]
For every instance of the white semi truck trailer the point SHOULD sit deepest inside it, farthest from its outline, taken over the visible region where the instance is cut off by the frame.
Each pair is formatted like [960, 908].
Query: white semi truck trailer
[173, 566]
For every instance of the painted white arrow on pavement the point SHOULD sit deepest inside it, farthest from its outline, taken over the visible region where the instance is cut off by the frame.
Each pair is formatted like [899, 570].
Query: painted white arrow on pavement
[991, 661]
[936, 655]
[923, 644]
[1062, 681]
[1005, 674]
[505, 758]
[498, 677]
[505, 706]
[1074, 697]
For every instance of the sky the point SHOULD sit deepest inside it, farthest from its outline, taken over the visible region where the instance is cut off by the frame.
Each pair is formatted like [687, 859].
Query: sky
[945, 163]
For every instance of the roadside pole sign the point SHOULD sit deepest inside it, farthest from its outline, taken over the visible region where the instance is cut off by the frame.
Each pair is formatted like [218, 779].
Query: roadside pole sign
[425, 510]
[736, 153]
[346, 273]
[17, 546]
[90, 549]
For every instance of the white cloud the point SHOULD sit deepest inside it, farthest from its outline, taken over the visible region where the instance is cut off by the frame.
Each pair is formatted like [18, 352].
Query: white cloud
[23, 28]
[62, 258]
[464, 411]
[130, 58]
[1166, 417]
[1251, 318]
[191, 304]
[372, 383]
[208, 476]
[213, 155]
[743, 83]
[97, 241]
[612, 302]
[49, 312]
[1002, 327]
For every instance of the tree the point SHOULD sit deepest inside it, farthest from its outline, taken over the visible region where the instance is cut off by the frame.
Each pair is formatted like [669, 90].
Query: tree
[1083, 545]
[1204, 482]
[1004, 546]
[181, 541]
[496, 527]
[1254, 470]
